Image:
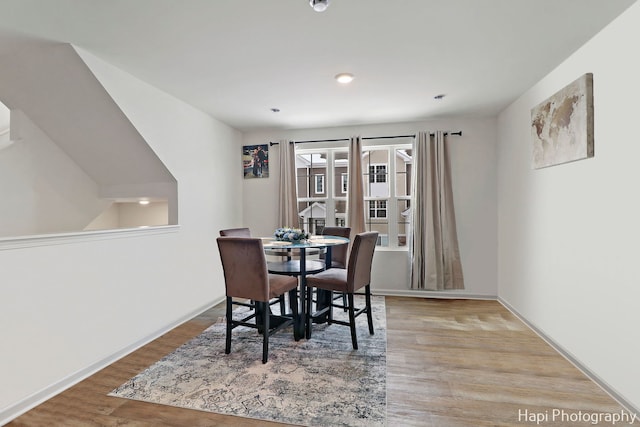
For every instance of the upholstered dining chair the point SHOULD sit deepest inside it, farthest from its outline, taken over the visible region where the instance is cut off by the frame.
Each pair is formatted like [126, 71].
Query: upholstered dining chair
[338, 253]
[246, 232]
[246, 277]
[236, 232]
[356, 276]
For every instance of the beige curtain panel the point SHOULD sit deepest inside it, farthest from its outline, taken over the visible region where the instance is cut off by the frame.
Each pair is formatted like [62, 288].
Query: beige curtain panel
[435, 256]
[355, 195]
[288, 198]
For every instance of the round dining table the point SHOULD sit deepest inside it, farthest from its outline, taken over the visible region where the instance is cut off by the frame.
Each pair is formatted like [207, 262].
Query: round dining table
[300, 268]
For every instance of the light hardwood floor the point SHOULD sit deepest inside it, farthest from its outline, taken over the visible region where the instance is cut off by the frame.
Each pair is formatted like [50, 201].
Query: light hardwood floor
[449, 363]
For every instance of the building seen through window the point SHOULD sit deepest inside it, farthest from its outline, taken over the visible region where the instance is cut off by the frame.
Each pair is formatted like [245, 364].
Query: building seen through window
[322, 180]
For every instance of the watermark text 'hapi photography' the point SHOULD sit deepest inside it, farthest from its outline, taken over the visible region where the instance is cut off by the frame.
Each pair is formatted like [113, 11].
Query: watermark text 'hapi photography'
[557, 415]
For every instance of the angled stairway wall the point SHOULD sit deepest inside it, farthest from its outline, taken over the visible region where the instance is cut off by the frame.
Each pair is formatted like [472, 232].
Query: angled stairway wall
[65, 105]
[42, 189]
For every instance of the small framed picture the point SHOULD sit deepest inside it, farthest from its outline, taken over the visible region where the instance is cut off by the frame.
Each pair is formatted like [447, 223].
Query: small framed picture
[255, 161]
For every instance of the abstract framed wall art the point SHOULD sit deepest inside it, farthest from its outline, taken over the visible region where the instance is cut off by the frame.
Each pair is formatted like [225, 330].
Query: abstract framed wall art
[255, 161]
[562, 125]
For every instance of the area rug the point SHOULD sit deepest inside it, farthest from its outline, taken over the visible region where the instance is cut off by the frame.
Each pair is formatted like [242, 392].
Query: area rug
[317, 382]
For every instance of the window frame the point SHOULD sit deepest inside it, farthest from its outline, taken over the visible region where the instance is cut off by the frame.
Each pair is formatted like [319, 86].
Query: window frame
[384, 173]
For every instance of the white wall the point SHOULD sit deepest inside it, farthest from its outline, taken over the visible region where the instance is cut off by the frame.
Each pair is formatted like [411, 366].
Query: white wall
[116, 290]
[130, 215]
[107, 220]
[136, 215]
[568, 234]
[75, 134]
[52, 85]
[473, 158]
[43, 190]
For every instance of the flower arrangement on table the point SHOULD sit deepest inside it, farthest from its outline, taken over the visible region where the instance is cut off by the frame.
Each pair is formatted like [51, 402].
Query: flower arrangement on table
[294, 235]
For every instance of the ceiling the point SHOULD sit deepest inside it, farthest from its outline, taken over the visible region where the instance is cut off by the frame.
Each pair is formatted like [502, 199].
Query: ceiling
[238, 59]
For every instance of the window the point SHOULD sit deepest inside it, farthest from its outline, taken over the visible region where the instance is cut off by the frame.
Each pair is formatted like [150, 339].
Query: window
[323, 188]
[377, 173]
[377, 208]
[319, 184]
[311, 173]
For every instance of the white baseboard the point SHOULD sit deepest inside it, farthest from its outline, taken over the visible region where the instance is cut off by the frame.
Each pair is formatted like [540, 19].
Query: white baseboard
[574, 361]
[58, 387]
[430, 294]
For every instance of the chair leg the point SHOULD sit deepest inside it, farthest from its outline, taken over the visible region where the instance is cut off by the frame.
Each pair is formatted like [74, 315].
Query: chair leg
[308, 319]
[265, 334]
[293, 305]
[352, 322]
[283, 310]
[330, 315]
[227, 348]
[367, 294]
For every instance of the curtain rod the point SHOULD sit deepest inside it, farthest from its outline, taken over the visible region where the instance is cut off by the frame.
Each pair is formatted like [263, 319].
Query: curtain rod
[458, 133]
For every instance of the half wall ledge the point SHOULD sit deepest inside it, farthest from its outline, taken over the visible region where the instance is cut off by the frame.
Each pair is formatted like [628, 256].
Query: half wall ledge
[20, 242]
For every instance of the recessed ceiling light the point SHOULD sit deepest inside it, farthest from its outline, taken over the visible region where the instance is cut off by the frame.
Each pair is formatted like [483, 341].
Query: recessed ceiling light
[344, 78]
[143, 202]
[319, 5]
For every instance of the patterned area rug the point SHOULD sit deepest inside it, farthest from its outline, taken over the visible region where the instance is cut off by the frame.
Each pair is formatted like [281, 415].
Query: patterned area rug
[316, 382]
